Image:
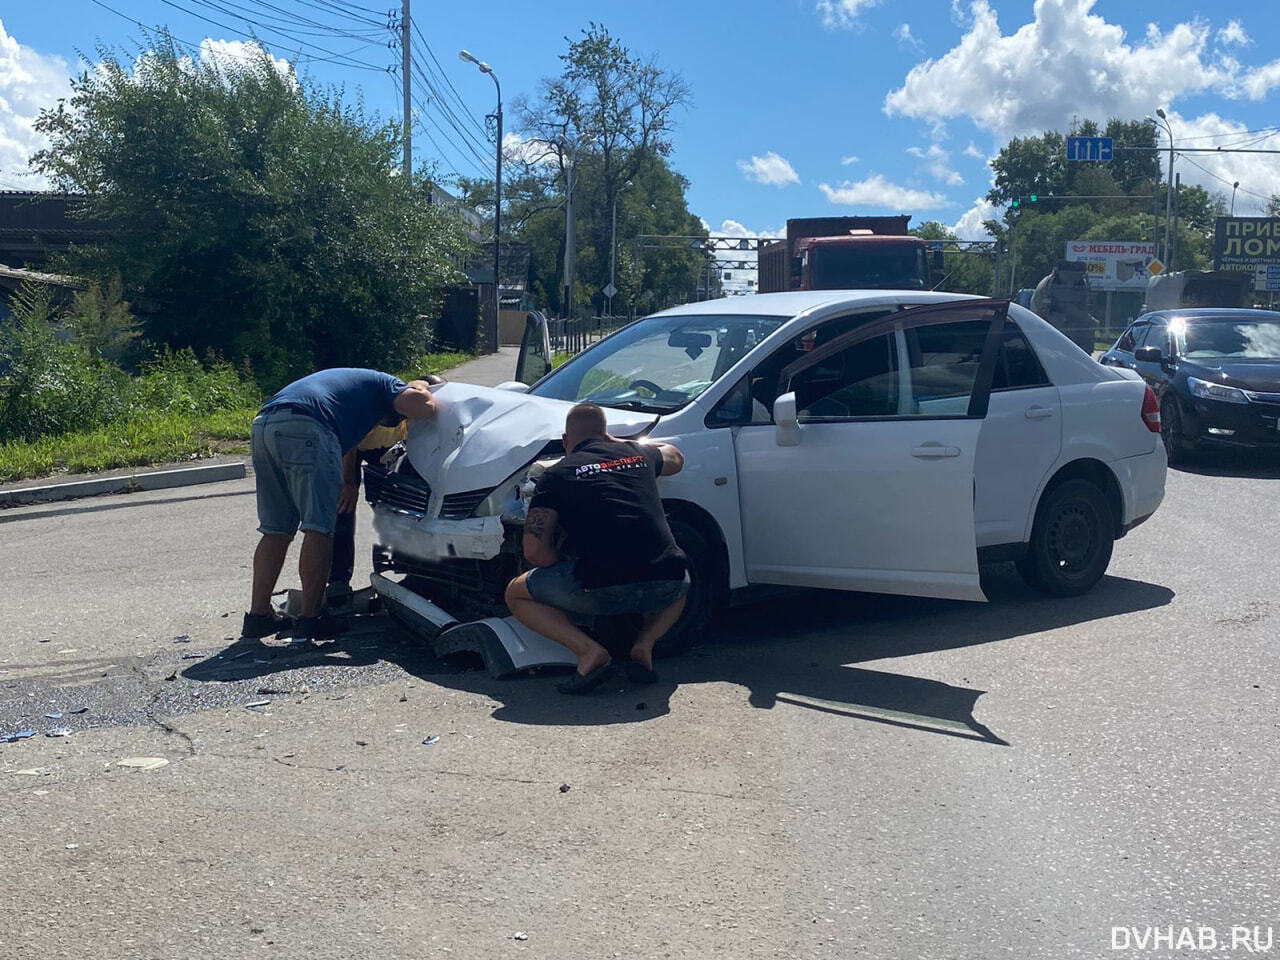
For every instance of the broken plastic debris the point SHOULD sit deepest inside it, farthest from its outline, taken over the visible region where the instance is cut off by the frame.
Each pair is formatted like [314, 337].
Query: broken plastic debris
[31, 772]
[143, 763]
[172, 676]
[182, 639]
[564, 788]
[72, 846]
[43, 640]
[61, 732]
[56, 715]
[432, 740]
[20, 735]
[259, 703]
[519, 935]
[79, 710]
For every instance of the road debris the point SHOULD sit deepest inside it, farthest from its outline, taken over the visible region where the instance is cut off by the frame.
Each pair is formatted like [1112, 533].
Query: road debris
[72, 846]
[55, 715]
[43, 640]
[519, 935]
[32, 772]
[143, 763]
[258, 703]
[182, 639]
[77, 710]
[172, 676]
[60, 732]
[564, 788]
[20, 735]
[431, 741]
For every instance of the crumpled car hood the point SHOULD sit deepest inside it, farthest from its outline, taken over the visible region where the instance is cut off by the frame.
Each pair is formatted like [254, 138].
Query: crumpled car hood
[480, 436]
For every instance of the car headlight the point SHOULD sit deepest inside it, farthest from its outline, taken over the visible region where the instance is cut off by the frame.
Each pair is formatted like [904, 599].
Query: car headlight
[510, 499]
[1215, 391]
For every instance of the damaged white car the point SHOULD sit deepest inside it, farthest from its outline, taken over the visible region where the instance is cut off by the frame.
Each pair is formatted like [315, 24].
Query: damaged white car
[854, 440]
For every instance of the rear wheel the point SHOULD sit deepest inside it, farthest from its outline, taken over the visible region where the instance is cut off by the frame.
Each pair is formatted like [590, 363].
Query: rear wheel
[1177, 447]
[1071, 541]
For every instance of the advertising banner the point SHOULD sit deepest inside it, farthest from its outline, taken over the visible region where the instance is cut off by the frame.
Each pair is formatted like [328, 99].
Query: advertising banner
[1246, 244]
[1114, 264]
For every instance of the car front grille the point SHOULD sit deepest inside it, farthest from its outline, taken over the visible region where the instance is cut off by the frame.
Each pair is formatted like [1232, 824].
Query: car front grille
[405, 491]
[1260, 397]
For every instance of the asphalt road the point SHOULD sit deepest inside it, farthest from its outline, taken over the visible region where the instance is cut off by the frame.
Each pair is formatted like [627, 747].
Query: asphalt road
[827, 776]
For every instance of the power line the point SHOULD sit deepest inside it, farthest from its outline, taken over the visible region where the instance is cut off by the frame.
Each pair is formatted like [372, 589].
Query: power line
[444, 74]
[1229, 183]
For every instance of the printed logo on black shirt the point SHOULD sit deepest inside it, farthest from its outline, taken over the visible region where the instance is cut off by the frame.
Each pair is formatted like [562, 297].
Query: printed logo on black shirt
[611, 466]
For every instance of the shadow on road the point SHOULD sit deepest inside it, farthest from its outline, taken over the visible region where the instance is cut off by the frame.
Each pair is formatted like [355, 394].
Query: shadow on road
[800, 650]
[1244, 464]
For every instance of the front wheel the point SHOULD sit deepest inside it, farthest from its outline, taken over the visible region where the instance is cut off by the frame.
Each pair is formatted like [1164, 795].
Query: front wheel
[1177, 447]
[1071, 541]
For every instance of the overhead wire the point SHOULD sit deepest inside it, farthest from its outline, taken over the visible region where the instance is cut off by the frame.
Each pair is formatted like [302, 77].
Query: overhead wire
[443, 73]
[1215, 176]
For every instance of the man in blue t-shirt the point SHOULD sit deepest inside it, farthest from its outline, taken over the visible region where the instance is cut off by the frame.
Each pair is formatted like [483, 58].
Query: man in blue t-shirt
[299, 438]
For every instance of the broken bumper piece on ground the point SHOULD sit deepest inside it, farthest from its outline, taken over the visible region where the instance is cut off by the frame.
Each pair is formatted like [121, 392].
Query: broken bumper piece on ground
[506, 645]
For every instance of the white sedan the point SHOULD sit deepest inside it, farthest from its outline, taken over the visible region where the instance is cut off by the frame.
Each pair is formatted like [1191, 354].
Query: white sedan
[854, 440]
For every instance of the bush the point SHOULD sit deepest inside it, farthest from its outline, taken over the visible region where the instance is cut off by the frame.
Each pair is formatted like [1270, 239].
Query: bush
[47, 385]
[177, 382]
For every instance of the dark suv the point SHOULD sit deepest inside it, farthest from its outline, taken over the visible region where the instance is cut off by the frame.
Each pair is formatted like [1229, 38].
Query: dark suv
[1216, 372]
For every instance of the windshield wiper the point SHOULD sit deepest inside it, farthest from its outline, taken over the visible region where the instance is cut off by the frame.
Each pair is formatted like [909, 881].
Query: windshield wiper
[634, 405]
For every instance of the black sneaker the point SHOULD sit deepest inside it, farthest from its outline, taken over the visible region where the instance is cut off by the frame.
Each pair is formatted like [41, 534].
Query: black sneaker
[259, 625]
[322, 627]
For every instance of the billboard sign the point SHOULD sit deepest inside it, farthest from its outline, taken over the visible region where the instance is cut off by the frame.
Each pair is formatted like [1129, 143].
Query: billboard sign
[1114, 264]
[1246, 243]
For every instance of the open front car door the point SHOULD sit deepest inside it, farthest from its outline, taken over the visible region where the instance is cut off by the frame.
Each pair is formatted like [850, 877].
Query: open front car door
[865, 479]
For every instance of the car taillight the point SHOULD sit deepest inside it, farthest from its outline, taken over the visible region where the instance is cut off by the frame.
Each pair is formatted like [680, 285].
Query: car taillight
[1151, 411]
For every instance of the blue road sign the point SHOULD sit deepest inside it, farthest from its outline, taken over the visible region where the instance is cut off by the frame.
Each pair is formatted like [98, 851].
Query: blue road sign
[1090, 149]
[936, 246]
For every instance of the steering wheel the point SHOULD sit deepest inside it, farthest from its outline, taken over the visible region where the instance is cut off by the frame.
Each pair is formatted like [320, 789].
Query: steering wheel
[649, 385]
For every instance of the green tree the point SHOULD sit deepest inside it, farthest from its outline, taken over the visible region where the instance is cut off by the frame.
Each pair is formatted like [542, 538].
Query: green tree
[268, 220]
[962, 272]
[101, 321]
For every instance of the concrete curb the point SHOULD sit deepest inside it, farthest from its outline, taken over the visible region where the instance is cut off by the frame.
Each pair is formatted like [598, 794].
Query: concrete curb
[155, 480]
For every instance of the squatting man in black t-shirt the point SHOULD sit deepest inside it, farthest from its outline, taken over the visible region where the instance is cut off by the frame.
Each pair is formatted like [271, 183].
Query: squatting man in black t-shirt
[604, 493]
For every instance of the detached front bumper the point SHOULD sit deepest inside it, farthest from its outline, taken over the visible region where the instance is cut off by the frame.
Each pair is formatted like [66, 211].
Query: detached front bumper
[507, 646]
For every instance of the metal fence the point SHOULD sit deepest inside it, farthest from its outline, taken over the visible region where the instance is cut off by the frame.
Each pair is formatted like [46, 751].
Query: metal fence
[574, 335]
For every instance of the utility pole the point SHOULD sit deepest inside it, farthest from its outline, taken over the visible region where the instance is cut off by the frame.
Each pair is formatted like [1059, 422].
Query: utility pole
[1168, 197]
[570, 177]
[406, 81]
[1177, 211]
[495, 327]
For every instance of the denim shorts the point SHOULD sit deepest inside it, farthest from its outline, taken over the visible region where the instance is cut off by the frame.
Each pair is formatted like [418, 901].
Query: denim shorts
[298, 468]
[558, 586]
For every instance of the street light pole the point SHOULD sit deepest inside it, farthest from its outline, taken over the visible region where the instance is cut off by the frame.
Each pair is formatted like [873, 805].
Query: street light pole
[497, 204]
[1168, 200]
[613, 245]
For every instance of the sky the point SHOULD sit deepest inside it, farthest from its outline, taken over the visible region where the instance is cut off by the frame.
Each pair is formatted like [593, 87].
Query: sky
[799, 107]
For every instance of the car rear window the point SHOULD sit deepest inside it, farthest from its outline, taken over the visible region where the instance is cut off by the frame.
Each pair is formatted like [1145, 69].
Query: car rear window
[1018, 367]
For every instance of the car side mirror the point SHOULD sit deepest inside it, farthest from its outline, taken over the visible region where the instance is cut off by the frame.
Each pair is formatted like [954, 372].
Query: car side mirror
[784, 415]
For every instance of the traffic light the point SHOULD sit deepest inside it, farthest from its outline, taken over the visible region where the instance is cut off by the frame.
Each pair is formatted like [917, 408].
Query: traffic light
[1017, 202]
[1033, 198]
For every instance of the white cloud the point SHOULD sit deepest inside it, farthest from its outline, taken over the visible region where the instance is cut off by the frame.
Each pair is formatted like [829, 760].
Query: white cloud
[1258, 173]
[517, 149]
[1068, 62]
[1233, 33]
[845, 161]
[733, 228]
[938, 162]
[29, 81]
[771, 169]
[878, 193]
[232, 53]
[842, 13]
[969, 226]
[907, 39]
[972, 151]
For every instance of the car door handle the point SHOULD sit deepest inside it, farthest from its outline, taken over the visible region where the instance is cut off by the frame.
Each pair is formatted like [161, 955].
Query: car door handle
[934, 451]
[1038, 412]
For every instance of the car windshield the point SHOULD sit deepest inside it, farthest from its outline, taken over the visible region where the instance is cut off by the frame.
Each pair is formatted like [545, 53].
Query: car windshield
[1214, 338]
[658, 364]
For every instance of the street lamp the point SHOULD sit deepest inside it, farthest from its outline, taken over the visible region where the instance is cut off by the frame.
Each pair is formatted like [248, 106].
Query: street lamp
[570, 241]
[613, 246]
[1234, 187]
[1168, 200]
[466, 57]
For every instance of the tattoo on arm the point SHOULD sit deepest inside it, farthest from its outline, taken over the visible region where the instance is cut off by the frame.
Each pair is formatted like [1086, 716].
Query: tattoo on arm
[539, 522]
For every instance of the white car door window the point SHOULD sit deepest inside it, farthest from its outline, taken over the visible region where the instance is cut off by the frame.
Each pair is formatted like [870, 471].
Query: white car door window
[877, 494]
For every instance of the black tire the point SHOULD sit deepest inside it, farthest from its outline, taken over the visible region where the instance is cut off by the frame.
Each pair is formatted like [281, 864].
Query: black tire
[701, 603]
[1177, 447]
[1071, 541]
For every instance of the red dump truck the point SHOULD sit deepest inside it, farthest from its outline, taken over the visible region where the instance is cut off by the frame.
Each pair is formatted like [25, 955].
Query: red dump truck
[847, 253]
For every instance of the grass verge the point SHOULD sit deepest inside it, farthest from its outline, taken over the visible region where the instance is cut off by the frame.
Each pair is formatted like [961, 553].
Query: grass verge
[156, 438]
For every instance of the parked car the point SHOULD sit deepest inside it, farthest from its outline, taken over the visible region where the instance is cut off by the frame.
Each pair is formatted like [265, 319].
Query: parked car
[1215, 372]
[857, 440]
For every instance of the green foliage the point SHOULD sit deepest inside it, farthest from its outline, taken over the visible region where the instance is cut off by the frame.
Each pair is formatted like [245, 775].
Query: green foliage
[962, 272]
[177, 382]
[266, 219]
[100, 320]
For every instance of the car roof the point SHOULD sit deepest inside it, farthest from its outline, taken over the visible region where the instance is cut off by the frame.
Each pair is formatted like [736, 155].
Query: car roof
[795, 302]
[1209, 313]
